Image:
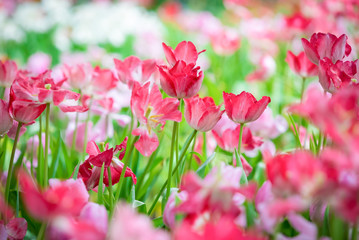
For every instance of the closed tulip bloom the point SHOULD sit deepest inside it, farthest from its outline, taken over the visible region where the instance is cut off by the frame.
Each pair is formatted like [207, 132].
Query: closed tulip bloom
[8, 72]
[244, 107]
[301, 65]
[323, 45]
[24, 110]
[202, 114]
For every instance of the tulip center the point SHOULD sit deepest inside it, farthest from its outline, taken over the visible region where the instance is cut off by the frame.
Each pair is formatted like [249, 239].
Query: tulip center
[152, 120]
[48, 86]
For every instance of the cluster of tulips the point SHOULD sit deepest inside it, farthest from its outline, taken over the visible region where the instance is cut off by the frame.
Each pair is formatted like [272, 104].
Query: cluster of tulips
[311, 192]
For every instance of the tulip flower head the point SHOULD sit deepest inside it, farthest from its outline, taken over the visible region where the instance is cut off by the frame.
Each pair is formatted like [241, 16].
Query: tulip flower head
[202, 114]
[8, 72]
[244, 107]
[323, 45]
[90, 170]
[181, 79]
[151, 111]
[301, 65]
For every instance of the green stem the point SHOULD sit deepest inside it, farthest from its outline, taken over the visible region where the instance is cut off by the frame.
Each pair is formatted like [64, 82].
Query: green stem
[2, 91]
[240, 140]
[47, 135]
[75, 133]
[126, 162]
[354, 232]
[110, 187]
[39, 153]
[189, 167]
[204, 146]
[3, 156]
[302, 89]
[86, 131]
[9, 173]
[41, 234]
[100, 186]
[169, 178]
[181, 158]
[139, 184]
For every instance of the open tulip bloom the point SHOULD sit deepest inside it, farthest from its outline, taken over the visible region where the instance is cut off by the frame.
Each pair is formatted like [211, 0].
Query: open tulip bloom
[125, 141]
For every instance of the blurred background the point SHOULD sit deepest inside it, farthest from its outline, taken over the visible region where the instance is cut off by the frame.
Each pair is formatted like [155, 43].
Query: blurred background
[246, 40]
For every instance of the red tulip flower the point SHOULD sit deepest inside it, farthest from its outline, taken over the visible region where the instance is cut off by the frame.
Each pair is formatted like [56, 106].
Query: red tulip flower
[244, 107]
[8, 72]
[185, 51]
[335, 76]
[90, 170]
[202, 114]
[181, 79]
[151, 111]
[323, 45]
[301, 65]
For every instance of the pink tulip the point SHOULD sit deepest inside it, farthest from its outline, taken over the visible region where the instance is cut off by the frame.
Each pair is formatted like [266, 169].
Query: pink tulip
[5, 118]
[202, 114]
[103, 80]
[78, 76]
[133, 69]
[61, 198]
[24, 110]
[337, 116]
[181, 79]
[128, 224]
[38, 63]
[91, 224]
[151, 111]
[244, 107]
[225, 42]
[323, 45]
[335, 76]
[226, 133]
[296, 173]
[8, 72]
[301, 65]
[185, 51]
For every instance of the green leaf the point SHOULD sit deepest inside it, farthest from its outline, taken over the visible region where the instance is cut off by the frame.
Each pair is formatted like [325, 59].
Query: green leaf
[158, 222]
[55, 158]
[201, 171]
[100, 185]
